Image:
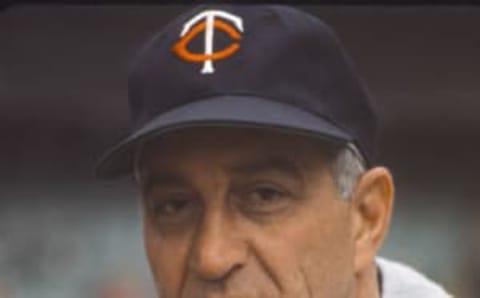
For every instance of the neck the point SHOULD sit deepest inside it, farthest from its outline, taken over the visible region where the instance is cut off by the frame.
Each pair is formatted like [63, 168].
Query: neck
[368, 283]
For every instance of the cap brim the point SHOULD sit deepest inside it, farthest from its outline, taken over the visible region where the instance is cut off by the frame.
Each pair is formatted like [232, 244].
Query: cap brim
[226, 110]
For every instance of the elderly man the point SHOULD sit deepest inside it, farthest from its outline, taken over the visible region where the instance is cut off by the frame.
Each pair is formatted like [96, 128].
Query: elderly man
[252, 145]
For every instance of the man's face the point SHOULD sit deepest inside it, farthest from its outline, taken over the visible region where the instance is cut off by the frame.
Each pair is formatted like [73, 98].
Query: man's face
[232, 212]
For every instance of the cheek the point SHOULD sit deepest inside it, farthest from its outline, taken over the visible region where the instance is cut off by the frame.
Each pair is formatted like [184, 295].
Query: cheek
[327, 259]
[167, 259]
[312, 253]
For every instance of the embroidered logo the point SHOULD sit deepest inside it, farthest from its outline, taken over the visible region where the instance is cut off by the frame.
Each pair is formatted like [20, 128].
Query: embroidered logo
[207, 22]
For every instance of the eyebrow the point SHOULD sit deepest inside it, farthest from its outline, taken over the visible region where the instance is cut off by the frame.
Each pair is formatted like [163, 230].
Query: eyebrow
[272, 163]
[167, 179]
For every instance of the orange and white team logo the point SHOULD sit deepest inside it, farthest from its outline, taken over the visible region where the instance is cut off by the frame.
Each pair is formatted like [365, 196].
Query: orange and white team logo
[207, 22]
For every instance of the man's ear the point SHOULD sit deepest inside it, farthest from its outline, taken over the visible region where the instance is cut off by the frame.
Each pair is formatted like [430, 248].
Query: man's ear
[372, 204]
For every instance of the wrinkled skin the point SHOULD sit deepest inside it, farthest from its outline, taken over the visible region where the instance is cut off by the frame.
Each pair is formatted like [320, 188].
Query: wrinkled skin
[250, 213]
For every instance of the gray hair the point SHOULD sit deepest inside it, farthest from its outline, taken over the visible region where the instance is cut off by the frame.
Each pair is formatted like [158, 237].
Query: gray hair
[347, 168]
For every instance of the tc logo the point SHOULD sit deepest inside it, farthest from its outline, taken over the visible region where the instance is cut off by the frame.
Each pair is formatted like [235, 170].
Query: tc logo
[211, 21]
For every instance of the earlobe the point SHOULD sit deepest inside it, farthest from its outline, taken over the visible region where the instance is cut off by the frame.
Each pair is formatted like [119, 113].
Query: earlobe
[372, 204]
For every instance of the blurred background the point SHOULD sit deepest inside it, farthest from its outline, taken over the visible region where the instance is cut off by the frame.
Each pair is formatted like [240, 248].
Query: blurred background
[63, 101]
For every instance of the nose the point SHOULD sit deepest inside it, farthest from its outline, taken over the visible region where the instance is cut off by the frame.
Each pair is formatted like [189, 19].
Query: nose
[218, 249]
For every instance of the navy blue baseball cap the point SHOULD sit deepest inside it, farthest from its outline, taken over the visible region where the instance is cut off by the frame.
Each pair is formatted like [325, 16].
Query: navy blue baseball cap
[266, 66]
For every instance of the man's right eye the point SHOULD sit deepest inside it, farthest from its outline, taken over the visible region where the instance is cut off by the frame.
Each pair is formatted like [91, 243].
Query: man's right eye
[174, 208]
[170, 207]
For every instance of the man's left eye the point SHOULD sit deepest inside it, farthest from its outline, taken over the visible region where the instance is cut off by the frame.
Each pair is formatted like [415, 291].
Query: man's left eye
[266, 194]
[264, 199]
